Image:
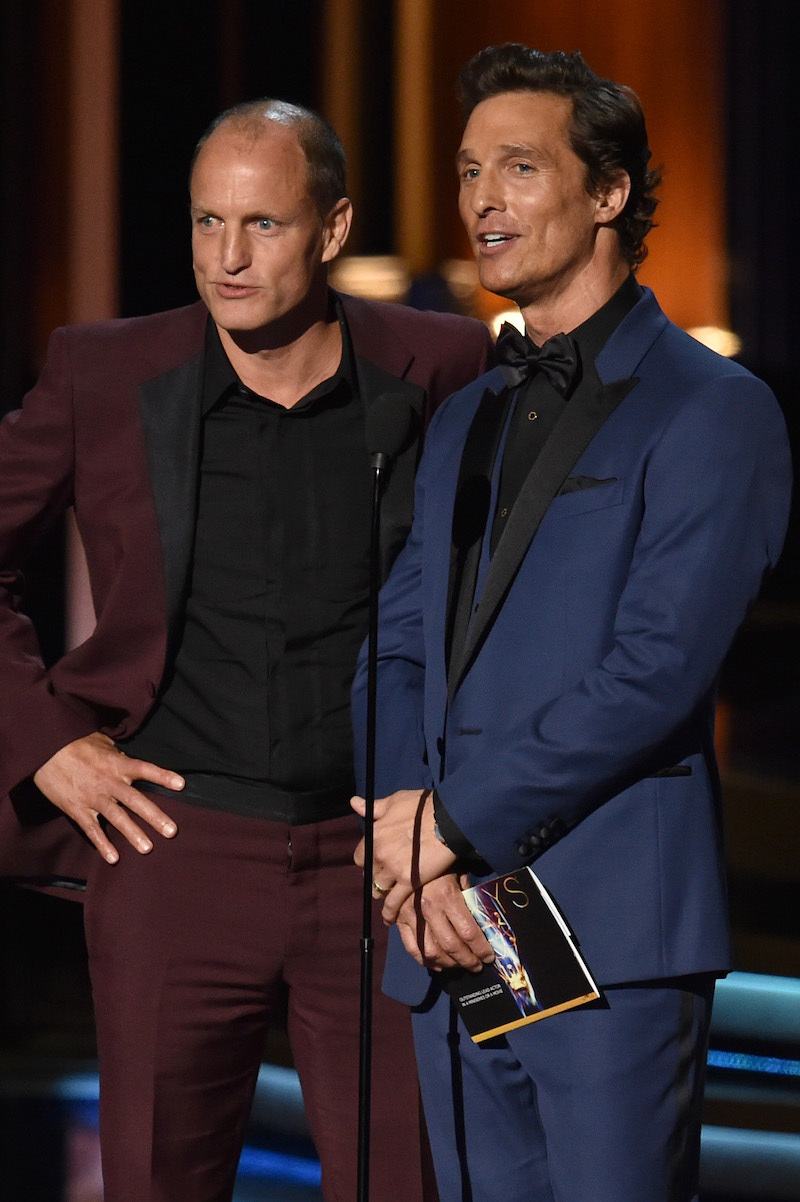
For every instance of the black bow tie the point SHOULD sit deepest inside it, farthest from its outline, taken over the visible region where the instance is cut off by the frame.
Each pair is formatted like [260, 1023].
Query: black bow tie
[519, 358]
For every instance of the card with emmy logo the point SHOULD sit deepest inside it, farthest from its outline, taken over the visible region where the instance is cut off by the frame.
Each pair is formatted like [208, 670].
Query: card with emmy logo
[538, 969]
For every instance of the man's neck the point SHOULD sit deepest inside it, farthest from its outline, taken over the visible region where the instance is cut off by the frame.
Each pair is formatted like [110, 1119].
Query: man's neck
[286, 370]
[563, 310]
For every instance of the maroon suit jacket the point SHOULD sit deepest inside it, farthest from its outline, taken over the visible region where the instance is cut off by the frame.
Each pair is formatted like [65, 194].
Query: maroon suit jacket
[112, 427]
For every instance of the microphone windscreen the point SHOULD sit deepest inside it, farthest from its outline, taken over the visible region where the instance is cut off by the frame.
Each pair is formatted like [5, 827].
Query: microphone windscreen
[388, 424]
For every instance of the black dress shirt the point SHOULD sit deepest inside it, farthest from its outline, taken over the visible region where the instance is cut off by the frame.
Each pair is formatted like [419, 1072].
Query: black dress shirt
[538, 405]
[276, 610]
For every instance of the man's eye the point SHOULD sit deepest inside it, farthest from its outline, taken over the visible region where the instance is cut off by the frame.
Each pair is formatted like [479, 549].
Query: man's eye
[523, 168]
[265, 223]
[206, 222]
[469, 173]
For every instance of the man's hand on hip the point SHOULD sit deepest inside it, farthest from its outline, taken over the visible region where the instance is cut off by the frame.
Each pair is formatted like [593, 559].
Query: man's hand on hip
[91, 779]
[406, 852]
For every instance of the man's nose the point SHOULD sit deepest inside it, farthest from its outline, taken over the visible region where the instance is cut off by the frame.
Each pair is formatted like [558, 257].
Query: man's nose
[235, 250]
[486, 194]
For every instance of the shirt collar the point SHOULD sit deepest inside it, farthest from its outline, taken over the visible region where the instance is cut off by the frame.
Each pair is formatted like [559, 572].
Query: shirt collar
[220, 380]
[592, 335]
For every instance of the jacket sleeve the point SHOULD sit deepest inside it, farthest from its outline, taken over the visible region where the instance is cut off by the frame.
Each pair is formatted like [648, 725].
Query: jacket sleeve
[454, 352]
[36, 487]
[400, 756]
[715, 508]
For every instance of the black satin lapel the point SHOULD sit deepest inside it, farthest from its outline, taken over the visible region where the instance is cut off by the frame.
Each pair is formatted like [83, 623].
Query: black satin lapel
[170, 408]
[397, 503]
[471, 515]
[575, 429]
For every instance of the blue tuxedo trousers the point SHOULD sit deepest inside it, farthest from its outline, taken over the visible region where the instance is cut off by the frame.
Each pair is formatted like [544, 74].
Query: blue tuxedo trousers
[590, 1105]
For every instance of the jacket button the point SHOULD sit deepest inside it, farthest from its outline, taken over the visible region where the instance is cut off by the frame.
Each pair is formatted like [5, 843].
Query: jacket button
[557, 829]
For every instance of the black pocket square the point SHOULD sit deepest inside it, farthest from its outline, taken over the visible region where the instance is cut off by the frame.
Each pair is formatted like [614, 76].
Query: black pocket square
[577, 483]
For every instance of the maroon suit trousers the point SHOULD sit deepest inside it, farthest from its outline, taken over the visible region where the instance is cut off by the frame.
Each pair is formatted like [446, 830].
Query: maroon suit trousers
[190, 950]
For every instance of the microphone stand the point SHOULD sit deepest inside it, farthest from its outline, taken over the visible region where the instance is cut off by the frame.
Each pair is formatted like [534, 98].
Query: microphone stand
[379, 462]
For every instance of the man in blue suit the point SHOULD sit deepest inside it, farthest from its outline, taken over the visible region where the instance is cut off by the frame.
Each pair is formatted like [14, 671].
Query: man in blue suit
[592, 523]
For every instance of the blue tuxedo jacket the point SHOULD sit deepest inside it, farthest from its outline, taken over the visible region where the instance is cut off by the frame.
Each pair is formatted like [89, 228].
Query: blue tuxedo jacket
[578, 708]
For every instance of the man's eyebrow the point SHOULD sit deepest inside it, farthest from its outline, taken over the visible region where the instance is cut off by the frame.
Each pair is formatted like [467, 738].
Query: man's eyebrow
[526, 148]
[507, 149]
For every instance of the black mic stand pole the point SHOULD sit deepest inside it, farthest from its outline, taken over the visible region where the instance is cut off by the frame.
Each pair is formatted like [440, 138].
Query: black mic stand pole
[379, 463]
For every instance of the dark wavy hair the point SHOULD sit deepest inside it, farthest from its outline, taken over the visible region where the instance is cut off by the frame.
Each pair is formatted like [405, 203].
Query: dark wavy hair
[607, 130]
[319, 142]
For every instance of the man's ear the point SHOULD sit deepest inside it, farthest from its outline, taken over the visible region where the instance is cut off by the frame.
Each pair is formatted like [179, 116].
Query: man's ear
[336, 227]
[612, 198]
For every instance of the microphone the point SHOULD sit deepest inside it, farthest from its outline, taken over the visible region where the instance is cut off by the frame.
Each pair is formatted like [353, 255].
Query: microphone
[388, 424]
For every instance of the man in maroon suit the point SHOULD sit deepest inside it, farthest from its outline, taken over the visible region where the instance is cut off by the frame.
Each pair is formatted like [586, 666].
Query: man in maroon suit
[199, 741]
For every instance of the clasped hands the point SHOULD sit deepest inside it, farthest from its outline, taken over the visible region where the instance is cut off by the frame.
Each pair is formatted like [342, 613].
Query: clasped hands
[418, 879]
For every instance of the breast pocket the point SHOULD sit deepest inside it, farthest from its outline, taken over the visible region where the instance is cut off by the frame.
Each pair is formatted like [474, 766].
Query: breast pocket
[584, 494]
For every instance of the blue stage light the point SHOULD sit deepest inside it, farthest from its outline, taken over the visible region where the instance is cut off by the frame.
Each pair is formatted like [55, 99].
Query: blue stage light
[747, 1062]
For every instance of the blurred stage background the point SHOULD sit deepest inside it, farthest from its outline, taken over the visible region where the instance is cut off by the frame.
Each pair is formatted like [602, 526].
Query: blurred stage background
[102, 102]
